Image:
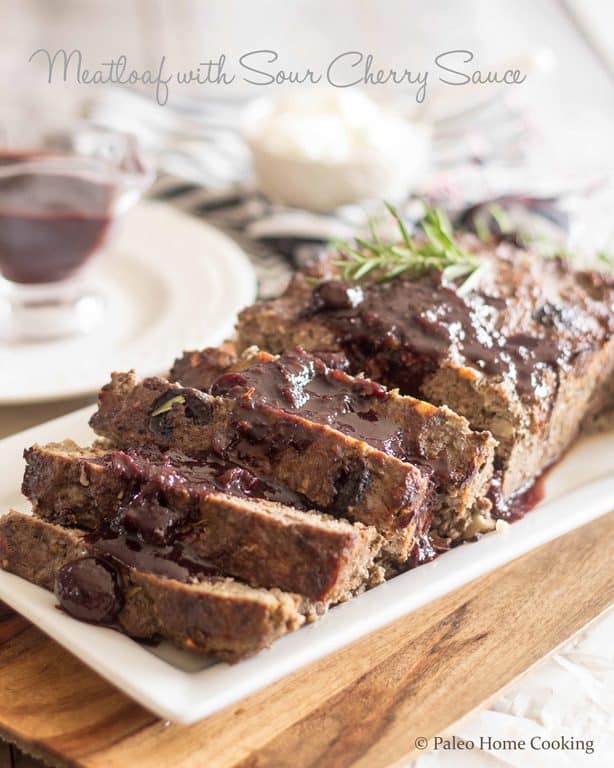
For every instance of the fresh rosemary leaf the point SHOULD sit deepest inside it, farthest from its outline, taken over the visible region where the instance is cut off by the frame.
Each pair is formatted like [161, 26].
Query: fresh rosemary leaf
[395, 272]
[471, 281]
[373, 247]
[454, 271]
[501, 218]
[395, 214]
[364, 269]
[481, 229]
[390, 260]
[166, 406]
[373, 231]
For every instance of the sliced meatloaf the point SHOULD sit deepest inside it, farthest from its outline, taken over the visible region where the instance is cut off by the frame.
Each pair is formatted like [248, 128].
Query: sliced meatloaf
[201, 368]
[457, 460]
[524, 354]
[216, 510]
[341, 474]
[208, 614]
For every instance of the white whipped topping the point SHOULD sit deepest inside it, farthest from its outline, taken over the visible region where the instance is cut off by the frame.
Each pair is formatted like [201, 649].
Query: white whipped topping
[320, 149]
[335, 127]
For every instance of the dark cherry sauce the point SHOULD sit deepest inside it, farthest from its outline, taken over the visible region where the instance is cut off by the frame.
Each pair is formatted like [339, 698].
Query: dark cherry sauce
[92, 588]
[145, 535]
[302, 384]
[147, 532]
[524, 500]
[173, 560]
[50, 222]
[426, 548]
[399, 331]
[174, 472]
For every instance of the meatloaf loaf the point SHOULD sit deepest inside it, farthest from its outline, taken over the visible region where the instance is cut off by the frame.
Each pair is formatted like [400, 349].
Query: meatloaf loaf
[457, 460]
[208, 613]
[524, 354]
[338, 473]
[219, 511]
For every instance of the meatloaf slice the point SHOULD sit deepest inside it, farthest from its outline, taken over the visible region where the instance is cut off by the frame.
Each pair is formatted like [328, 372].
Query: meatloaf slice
[458, 461]
[214, 615]
[201, 368]
[221, 512]
[337, 473]
[524, 354]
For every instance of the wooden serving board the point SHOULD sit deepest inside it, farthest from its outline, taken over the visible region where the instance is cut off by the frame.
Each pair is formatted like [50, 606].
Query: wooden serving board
[361, 706]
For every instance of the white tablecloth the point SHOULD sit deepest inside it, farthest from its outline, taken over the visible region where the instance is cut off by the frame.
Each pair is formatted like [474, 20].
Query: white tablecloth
[567, 698]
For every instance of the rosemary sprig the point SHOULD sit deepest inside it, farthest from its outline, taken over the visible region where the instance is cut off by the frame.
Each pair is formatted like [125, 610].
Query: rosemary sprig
[502, 219]
[167, 405]
[482, 222]
[388, 260]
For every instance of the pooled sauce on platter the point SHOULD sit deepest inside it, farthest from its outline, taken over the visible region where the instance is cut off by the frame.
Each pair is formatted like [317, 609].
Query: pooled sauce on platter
[522, 501]
[429, 546]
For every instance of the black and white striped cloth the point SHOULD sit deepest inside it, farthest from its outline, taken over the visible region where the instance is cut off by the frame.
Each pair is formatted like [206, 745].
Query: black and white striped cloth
[204, 169]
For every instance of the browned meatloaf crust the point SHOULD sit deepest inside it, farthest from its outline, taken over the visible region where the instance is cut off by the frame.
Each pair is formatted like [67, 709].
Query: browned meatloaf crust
[524, 355]
[218, 511]
[201, 368]
[457, 460]
[337, 473]
[216, 615]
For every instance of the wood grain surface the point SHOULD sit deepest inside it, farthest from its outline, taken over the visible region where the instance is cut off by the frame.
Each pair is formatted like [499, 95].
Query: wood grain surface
[362, 706]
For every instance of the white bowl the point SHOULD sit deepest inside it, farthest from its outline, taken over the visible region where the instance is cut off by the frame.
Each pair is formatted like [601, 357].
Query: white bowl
[322, 184]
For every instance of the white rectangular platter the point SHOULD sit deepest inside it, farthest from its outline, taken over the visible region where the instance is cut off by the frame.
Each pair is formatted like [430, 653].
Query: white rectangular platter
[184, 688]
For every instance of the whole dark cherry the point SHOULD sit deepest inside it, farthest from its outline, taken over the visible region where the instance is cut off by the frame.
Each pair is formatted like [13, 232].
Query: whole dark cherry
[88, 589]
[333, 294]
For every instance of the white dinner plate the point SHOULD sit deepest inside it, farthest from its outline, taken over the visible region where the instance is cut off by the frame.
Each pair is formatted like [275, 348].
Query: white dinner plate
[184, 688]
[170, 282]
